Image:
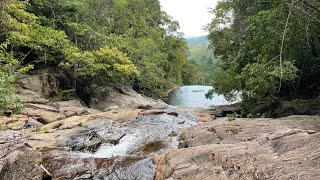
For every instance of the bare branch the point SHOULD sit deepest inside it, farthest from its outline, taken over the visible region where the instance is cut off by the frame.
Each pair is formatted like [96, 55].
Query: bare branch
[306, 13]
[311, 5]
[282, 42]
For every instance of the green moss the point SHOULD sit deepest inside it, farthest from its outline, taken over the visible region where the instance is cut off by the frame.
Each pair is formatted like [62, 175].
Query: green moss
[2, 127]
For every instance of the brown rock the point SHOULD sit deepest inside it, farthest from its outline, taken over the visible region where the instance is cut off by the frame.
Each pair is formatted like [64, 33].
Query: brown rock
[121, 115]
[161, 166]
[43, 115]
[205, 117]
[74, 108]
[43, 107]
[15, 122]
[44, 83]
[152, 111]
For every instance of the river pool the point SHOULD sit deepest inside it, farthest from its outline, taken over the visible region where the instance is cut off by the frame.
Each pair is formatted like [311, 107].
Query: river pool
[194, 96]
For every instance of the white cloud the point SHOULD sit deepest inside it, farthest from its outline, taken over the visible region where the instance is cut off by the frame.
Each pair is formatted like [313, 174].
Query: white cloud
[192, 15]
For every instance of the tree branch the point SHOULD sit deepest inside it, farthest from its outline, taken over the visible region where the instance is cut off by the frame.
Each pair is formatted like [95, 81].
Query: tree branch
[282, 42]
[311, 5]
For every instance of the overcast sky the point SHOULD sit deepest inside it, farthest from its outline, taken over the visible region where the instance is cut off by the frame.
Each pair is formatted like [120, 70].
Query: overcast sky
[192, 15]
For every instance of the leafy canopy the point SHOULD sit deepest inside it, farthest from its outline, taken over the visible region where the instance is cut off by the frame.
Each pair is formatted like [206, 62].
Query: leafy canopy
[266, 48]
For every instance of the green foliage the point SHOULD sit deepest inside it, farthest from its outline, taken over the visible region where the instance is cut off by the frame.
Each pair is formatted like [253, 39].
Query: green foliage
[232, 116]
[265, 48]
[137, 28]
[10, 70]
[15, 21]
[202, 57]
[96, 42]
[15, 25]
[3, 127]
[104, 66]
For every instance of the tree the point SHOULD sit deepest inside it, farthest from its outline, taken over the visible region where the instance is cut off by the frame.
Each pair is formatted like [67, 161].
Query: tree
[105, 66]
[266, 48]
[15, 23]
[10, 70]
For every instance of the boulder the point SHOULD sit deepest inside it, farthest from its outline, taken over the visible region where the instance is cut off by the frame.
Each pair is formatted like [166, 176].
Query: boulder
[49, 82]
[88, 143]
[29, 96]
[122, 97]
[275, 108]
[224, 110]
[17, 160]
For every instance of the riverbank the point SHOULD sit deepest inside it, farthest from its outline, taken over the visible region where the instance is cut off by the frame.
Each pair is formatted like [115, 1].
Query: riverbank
[66, 140]
[166, 93]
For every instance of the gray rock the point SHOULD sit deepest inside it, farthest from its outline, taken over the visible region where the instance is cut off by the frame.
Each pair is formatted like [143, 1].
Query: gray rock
[286, 148]
[84, 176]
[122, 97]
[88, 143]
[17, 160]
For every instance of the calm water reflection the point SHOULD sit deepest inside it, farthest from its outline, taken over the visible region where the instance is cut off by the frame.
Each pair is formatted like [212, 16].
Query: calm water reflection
[194, 96]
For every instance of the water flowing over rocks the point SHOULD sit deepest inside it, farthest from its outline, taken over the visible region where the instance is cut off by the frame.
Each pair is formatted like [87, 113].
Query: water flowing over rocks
[118, 145]
[156, 141]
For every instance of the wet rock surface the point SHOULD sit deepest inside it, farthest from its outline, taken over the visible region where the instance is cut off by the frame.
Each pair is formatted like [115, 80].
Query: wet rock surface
[77, 147]
[286, 148]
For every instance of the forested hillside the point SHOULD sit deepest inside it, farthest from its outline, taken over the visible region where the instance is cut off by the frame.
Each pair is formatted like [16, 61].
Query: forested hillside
[268, 49]
[94, 42]
[201, 55]
[195, 41]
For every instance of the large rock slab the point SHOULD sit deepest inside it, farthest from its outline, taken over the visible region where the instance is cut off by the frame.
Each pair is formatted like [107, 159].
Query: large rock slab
[122, 97]
[286, 148]
[17, 160]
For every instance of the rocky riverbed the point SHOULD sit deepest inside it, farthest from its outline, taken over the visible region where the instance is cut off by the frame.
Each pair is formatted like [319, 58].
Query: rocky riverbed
[147, 139]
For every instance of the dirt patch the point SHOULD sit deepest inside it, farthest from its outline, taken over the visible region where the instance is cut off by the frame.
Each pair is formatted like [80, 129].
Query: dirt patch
[152, 147]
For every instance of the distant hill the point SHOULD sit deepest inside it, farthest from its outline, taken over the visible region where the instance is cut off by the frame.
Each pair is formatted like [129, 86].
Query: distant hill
[196, 41]
[198, 49]
[202, 56]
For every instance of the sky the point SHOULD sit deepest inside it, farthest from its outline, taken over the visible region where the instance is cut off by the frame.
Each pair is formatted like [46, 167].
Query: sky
[192, 15]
